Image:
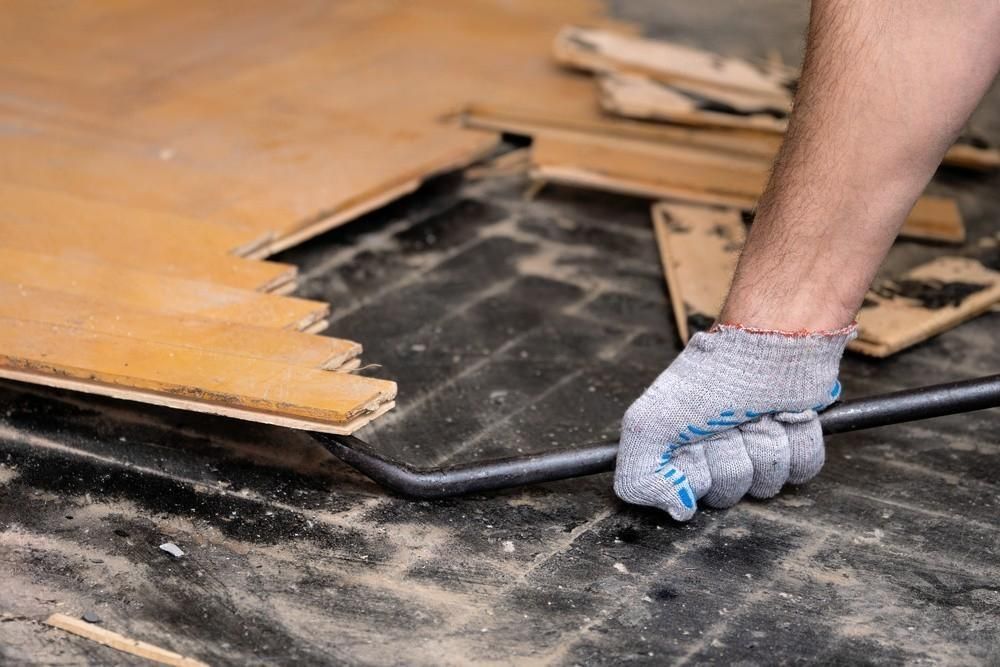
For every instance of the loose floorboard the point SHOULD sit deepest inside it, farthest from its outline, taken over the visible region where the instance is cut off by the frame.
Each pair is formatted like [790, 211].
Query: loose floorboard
[694, 175]
[224, 336]
[148, 291]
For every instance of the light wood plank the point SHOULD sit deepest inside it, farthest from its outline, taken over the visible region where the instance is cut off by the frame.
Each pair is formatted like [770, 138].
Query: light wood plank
[65, 226]
[217, 381]
[700, 247]
[150, 292]
[694, 175]
[640, 97]
[251, 342]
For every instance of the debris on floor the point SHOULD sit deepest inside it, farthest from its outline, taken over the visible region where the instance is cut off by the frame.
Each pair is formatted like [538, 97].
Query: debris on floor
[172, 549]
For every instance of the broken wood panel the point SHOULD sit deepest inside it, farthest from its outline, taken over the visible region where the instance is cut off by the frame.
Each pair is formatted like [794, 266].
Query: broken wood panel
[219, 383]
[935, 219]
[924, 302]
[694, 176]
[699, 248]
[582, 178]
[639, 97]
[150, 292]
[604, 51]
[701, 87]
[252, 342]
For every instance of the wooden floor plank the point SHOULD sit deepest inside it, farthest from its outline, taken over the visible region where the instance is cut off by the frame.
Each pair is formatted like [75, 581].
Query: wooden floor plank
[700, 246]
[157, 293]
[71, 227]
[224, 383]
[115, 318]
[694, 175]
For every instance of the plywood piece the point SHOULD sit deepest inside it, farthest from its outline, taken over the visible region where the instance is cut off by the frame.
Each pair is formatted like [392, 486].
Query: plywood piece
[699, 248]
[604, 51]
[693, 175]
[251, 342]
[221, 383]
[150, 292]
[924, 302]
[120, 642]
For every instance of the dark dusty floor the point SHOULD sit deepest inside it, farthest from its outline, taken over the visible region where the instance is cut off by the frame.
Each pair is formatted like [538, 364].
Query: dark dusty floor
[511, 326]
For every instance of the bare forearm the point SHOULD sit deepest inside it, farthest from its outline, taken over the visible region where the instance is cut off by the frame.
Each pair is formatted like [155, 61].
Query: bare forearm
[885, 89]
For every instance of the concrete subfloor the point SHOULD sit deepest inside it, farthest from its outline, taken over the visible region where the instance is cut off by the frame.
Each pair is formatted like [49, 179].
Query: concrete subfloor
[512, 326]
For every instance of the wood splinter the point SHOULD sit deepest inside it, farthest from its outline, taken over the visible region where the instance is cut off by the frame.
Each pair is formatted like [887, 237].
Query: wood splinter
[120, 642]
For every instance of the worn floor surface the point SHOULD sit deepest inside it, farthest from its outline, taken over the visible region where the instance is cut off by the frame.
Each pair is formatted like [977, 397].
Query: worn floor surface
[511, 326]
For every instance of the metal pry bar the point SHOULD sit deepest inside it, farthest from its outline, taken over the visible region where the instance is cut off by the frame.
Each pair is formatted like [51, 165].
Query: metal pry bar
[885, 410]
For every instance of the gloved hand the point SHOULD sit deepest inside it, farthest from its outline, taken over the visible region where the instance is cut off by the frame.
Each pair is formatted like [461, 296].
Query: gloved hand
[734, 413]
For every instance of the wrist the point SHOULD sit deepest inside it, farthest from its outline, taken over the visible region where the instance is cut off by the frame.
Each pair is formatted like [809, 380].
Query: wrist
[787, 315]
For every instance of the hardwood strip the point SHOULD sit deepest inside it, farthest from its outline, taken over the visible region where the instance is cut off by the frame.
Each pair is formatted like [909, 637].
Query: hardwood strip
[217, 382]
[659, 80]
[242, 340]
[728, 178]
[121, 643]
[65, 226]
[572, 118]
[149, 292]
[179, 403]
[641, 98]
[695, 176]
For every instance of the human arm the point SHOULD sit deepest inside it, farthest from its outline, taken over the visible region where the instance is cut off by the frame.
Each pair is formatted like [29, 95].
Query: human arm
[885, 89]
